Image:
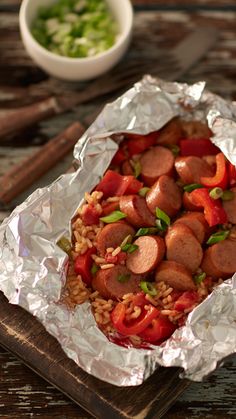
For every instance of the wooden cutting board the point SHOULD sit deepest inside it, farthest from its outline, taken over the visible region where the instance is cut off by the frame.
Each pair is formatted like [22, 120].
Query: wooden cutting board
[26, 338]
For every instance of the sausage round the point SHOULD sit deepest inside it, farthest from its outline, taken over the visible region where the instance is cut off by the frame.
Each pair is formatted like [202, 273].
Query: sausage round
[112, 235]
[230, 208]
[189, 204]
[137, 212]
[183, 247]
[106, 282]
[175, 274]
[150, 252]
[166, 195]
[171, 133]
[219, 260]
[196, 222]
[191, 168]
[155, 162]
[126, 168]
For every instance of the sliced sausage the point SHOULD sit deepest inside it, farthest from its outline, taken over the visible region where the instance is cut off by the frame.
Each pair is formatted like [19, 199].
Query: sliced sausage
[109, 282]
[155, 162]
[189, 203]
[219, 260]
[183, 247]
[175, 274]
[191, 168]
[150, 252]
[195, 129]
[196, 222]
[171, 133]
[126, 168]
[230, 208]
[137, 212]
[112, 235]
[166, 195]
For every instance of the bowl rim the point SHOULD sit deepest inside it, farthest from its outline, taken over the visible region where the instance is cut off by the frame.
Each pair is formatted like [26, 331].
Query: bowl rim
[24, 27]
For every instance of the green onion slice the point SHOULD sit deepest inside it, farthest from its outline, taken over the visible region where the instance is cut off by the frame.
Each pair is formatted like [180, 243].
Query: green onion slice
[129, 247]
[192, 186]
[144, 231]
[148, 288]
[123, 278]
[161, 226]
[200, 277]
[175, 149]
[94, 268]
[216, 193]
[137, 167]
[218, 237]
[227, 195]
[127, 239]
[65, 245]
[143, 191]
[161, 215]
[113, 217]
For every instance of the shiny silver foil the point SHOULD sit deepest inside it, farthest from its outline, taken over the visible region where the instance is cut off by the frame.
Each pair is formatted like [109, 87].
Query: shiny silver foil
[32, 266]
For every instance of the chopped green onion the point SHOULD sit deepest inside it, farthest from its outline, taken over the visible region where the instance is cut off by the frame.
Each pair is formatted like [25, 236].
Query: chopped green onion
[127, 239]
[94, 268]
[148, 288]
[161, 215]
[227, 195]
[143, 191]
[216, 193]
[123, 278]
[137, 167]
[218, 237]
[175, 149]
[113, 217]
[144, 231]
[65, 245]
[199, 278]
[129, 247]
[161, 226]
[192, 186]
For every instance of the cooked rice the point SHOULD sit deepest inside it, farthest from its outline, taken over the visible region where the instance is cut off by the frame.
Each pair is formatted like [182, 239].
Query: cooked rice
[107, 266]
[116, 251]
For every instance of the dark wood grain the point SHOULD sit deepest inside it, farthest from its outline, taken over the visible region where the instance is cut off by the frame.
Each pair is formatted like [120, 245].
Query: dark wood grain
[24, 394]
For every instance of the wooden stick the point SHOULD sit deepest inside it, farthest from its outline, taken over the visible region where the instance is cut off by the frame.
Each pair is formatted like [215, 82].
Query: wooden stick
[21, 176]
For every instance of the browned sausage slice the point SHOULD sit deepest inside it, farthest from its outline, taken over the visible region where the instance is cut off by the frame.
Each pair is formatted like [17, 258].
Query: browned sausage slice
[112, 235]
[150, 252]
[109, 282]
[196, 222]
[156, 162]
[191, 168]
[189, 203]
[183, 247]
[230, 208]
[175, 275]
[137, 212]
[127, 168]
[171, 133]
[166, 195]
[195, 129]
[219, 260]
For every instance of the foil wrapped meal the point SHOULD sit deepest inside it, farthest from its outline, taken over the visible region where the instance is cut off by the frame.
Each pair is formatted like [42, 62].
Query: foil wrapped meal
[33, 267]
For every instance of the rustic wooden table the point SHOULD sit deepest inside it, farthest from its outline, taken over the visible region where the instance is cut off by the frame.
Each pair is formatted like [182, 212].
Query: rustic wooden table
[158, 25]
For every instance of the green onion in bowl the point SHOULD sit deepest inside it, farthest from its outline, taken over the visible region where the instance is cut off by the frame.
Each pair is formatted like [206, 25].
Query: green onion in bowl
[75, 28]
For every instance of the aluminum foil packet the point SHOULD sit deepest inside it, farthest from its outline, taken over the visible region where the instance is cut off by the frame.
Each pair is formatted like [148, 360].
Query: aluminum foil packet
[33, 267]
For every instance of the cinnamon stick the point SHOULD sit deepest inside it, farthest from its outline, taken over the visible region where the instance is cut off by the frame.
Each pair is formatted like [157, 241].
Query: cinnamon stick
[21, 176]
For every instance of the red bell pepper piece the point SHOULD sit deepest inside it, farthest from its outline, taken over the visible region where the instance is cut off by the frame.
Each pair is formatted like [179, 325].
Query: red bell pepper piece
[119, 157]
[137, 143]
[220, 179]
[109, 207]
[186, 300]
[83, 264]
[197, 147]
[135, 327]
[213, 210]
[232, 174]
[114, 184]
[90, 215]
[161, 328]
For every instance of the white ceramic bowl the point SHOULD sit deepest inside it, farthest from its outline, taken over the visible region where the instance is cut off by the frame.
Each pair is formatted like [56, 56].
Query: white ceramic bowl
[76, 68]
